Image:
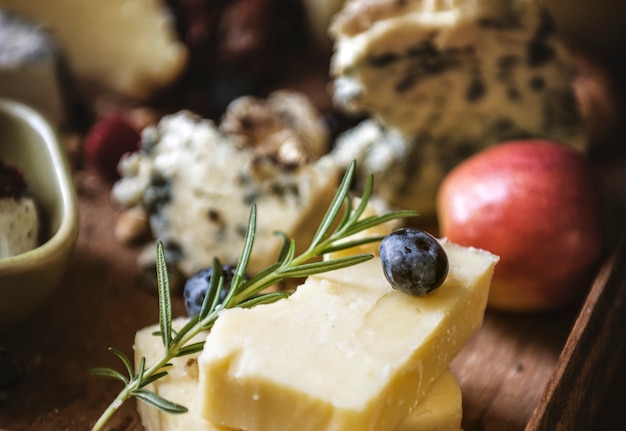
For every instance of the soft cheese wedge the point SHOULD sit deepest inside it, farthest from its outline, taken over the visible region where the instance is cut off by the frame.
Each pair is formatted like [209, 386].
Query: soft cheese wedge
[126, 46]
[344, 352]
[440, 410]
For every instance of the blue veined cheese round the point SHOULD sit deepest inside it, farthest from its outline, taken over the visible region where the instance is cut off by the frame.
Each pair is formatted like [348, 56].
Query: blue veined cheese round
[198, 184]
[451, 78]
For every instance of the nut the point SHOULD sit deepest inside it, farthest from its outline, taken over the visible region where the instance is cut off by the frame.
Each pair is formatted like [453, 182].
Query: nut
[132, 226]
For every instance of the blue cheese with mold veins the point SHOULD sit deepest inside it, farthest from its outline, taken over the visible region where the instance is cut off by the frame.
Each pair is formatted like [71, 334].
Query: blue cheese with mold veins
[198, 181]
[451, 78]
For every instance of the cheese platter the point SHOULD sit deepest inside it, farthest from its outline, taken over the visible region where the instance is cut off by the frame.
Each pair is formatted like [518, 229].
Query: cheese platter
[522, 370]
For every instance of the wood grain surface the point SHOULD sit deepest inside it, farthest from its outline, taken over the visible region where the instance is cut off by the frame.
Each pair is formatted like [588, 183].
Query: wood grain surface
[559, 371]
[515, 367]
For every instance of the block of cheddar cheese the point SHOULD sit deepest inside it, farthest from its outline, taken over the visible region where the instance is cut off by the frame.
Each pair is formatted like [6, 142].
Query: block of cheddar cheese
[345, 352]
[440, 410]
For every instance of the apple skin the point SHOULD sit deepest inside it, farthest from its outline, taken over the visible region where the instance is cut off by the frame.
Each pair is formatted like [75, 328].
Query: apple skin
[537, 205]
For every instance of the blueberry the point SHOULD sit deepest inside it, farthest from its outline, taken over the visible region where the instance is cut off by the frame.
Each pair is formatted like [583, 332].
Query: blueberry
[413, 261]
[198, 284]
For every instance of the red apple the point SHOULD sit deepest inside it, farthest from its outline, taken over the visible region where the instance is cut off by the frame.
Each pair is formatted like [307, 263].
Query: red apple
[536, 204]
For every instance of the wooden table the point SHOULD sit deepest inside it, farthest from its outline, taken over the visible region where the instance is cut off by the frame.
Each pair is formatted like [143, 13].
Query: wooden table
[504, 371]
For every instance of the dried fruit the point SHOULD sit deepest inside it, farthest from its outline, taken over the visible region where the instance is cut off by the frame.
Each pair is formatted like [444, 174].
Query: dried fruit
[107, 141]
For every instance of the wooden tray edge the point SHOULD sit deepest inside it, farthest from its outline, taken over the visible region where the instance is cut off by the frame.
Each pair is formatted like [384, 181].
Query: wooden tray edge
[591, 353]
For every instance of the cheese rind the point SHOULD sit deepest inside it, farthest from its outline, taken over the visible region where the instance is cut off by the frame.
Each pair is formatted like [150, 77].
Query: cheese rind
[344, 352]
[440, 410]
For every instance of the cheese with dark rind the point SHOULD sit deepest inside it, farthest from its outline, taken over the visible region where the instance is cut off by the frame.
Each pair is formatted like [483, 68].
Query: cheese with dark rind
[344, 352]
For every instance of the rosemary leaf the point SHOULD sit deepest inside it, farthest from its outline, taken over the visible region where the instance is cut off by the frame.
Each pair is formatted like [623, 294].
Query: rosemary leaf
[165, 301]
[372, 221]
[215, 287]
[353, 243]
[124, 359]
[324, 266]
[190, 349]
[335, 206]
[244, 259]
[267, 298]
[159, 402]
[282, 253]
[365, 197]
[152, 378]
[108, 373]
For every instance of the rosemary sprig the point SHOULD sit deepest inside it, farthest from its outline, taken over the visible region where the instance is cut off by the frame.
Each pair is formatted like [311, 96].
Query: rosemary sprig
[340, 222]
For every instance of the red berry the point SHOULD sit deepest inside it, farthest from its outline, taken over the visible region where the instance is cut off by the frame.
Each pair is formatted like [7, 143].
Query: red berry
[107, 141]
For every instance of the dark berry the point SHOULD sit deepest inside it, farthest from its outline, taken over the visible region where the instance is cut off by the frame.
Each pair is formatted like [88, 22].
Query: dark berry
[413, 261]
[198, 284]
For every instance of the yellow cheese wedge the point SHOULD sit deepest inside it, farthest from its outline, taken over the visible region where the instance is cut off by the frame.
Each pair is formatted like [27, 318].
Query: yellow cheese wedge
[345, 352]
[440, 410]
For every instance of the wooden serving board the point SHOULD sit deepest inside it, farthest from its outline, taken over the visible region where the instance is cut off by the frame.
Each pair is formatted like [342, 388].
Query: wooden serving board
[546, 372]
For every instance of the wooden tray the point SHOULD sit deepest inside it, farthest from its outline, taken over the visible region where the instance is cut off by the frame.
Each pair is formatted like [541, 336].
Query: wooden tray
[518, 372]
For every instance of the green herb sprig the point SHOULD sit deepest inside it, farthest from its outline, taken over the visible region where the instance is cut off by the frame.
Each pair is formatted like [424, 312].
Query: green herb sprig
[336, 226]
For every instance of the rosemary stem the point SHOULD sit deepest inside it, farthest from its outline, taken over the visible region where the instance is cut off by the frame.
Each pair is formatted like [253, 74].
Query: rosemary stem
[127, 392]
[106, 415]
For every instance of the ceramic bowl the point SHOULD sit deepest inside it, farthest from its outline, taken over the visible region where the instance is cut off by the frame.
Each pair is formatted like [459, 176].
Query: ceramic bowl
[29, 279]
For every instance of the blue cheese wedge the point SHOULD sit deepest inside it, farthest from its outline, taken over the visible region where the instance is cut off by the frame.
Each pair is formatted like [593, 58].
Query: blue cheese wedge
[450, 78]
[345, 352]
[198, 181]
[440, 410]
